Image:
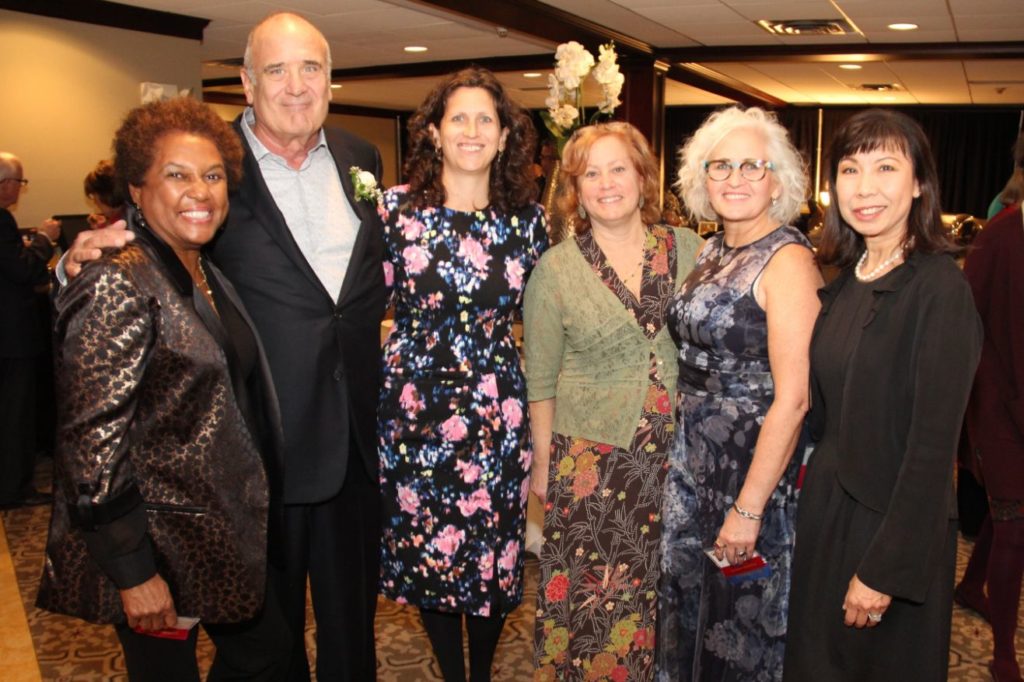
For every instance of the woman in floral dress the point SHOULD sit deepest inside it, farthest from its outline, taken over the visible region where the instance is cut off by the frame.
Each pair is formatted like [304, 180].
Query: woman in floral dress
[743, 321]
[461, 239]
[599, 363]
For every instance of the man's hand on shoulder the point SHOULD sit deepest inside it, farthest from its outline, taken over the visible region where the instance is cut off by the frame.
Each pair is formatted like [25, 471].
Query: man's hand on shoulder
[89, 244]
[50, 228]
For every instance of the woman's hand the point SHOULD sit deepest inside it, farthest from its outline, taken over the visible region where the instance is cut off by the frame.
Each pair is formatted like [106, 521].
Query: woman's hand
[863, 605]
[737, 538]
[149, 606]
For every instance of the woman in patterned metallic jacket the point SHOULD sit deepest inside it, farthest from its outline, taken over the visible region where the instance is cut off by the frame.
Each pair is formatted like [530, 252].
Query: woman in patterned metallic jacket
[168, 430]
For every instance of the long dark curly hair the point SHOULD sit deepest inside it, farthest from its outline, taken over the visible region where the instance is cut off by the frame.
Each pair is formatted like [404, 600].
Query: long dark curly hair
[511, 183]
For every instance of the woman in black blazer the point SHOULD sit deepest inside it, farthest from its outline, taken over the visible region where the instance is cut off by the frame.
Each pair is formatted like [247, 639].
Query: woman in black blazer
[892, 358]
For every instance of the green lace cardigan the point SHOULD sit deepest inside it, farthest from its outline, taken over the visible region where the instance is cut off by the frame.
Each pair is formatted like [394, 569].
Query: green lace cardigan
[585, 350]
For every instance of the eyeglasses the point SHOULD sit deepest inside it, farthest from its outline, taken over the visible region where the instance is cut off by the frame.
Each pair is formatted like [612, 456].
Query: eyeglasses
[751, 169]
[21, 181]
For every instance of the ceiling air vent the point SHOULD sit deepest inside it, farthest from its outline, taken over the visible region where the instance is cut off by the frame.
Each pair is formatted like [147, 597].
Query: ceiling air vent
[807, 27]
[878, 87]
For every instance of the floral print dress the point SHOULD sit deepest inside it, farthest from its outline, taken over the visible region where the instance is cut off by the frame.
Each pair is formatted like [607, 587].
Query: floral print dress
[596, 607]
[709, 628]
[454, 440]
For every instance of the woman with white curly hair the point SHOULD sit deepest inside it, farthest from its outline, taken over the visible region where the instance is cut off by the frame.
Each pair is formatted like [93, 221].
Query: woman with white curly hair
[742, 321]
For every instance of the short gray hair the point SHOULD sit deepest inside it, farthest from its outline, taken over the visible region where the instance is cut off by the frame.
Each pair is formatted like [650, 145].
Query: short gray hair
[247, 57]
[9, 165]
[790, 168]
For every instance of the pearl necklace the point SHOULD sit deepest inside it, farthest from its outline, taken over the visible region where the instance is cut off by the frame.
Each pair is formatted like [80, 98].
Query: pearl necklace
[897, 255]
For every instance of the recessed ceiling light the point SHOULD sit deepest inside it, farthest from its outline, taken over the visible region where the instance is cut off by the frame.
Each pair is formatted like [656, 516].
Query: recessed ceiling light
[335, 86]
[532, 74]
[850, 67]
[903, 26]
[414, 48]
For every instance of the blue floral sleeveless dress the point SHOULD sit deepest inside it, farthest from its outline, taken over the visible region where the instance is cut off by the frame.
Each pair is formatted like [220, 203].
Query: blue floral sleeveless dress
[708, 628]
[452, 420]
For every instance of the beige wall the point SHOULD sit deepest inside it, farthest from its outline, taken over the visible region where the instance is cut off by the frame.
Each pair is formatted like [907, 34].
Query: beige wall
[379, 131]
[66, 87]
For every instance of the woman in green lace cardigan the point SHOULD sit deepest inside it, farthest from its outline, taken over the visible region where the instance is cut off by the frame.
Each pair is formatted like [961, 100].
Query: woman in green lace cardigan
[601, 372]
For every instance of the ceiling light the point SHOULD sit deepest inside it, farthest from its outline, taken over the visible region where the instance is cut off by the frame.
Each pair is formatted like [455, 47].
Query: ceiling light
[335, 86]
[902, 26]
[851, 67]
[414, 48]
[532, 74]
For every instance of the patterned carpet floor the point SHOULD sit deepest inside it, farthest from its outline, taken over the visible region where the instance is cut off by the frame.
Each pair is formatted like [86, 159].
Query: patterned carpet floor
[69, 650]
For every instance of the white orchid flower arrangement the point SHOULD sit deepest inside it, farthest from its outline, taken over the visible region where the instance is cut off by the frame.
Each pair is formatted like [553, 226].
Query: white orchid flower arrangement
[565, 88]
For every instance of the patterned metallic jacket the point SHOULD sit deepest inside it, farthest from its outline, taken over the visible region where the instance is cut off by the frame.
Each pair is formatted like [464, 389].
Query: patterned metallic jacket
[157, 468]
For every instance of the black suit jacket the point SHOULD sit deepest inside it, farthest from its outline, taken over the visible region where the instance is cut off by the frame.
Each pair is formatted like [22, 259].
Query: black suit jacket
[22, 329]
[324, 354]
[904, 397]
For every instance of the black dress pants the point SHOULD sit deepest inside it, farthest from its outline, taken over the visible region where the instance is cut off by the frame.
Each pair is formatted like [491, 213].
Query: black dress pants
[258, 650]
[17, 427]
[336, 544]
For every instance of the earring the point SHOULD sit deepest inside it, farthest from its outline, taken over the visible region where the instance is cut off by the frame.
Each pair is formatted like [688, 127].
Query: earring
[497, 158]
[582, 212]
[775, 200]
[139, 217]
[640, 204]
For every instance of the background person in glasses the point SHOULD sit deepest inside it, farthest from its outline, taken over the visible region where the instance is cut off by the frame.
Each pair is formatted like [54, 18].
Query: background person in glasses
[22, 268]
[742, 321]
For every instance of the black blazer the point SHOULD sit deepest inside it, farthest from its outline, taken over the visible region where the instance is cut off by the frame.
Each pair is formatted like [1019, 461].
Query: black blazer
[906, 389]
[324, 354]
[22, 329]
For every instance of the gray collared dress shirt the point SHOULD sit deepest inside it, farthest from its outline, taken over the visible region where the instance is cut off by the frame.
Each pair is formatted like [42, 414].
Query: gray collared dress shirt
[313, 203]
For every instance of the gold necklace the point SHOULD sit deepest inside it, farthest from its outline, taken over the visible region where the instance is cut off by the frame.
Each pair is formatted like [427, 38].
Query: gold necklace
[203, 285]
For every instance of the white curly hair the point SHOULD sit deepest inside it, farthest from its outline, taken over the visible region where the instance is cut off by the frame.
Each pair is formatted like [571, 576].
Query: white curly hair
[790, 169]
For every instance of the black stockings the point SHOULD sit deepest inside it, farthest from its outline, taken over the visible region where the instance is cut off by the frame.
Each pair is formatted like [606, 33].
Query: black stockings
[445, 632]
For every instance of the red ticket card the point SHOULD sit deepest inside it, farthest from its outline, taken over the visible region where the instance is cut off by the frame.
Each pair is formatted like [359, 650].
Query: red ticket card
[179, 631]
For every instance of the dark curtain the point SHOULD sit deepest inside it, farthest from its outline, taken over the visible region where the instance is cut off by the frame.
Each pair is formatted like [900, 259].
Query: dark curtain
[680, 124]
[802, 125]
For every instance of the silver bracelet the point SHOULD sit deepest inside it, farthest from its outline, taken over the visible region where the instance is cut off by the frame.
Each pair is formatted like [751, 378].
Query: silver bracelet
[745, 514]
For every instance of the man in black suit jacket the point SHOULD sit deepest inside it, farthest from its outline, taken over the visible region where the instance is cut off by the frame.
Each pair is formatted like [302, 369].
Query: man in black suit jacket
[22, 339]
[306, 257]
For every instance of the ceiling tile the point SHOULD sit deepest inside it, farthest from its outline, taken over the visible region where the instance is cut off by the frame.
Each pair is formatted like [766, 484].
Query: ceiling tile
[990, 94]
[680, 94]
[967, 7]
[943, 36]
[928, 81]
[995, 70]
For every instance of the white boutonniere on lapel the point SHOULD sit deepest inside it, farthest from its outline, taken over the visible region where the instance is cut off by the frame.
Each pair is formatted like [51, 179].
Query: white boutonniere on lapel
[365, 185]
